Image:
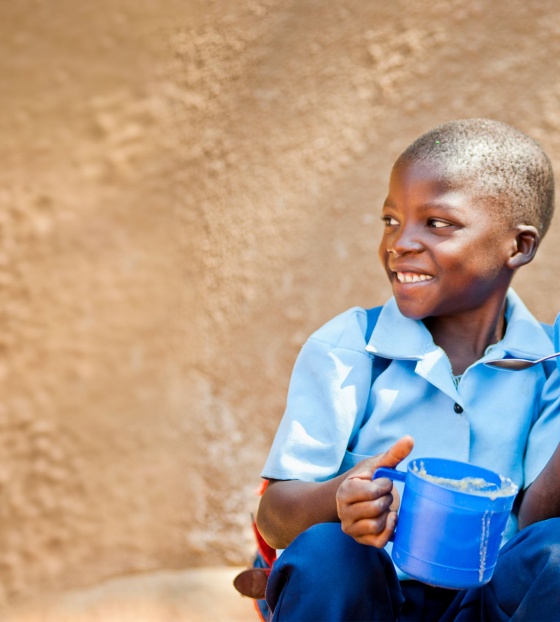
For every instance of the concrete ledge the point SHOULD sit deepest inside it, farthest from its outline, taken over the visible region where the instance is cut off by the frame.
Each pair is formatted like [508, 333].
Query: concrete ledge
[198, 595]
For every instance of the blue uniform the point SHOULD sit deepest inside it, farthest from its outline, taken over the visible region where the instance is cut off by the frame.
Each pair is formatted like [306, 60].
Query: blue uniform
[338, 414]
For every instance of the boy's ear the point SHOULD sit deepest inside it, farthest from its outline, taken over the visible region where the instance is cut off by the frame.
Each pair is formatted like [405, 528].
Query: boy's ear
[526, 242]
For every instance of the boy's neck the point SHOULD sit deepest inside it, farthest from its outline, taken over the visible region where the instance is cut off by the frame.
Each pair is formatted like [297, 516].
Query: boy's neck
[465, 339]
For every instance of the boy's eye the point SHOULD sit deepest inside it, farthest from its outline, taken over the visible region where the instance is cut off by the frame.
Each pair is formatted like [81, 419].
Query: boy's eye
[436, 223]
[389, 221]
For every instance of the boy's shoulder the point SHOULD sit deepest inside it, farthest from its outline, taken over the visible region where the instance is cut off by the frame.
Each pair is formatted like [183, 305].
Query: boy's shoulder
[348, 330]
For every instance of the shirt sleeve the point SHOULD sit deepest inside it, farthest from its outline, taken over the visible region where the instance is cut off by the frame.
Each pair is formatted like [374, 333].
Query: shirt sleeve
[327, 399]
[545, 433]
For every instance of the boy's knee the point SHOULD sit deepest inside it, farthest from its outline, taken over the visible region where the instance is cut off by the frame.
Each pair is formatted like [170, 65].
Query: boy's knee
[545, 538]
[545, 534]
[528, 565]
[326, 545]
[320, 544]
[323, 539]
[324, 566]
[536, 548]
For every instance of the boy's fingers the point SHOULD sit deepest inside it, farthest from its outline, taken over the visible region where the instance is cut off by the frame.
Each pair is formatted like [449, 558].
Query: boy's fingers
[368, 509]
[370, 537]
[358, 488]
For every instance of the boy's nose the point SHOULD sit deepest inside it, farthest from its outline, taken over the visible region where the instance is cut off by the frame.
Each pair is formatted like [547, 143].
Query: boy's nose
[404, 242]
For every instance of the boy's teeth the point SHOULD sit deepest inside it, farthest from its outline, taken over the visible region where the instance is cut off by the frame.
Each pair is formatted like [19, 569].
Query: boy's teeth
[410, 277]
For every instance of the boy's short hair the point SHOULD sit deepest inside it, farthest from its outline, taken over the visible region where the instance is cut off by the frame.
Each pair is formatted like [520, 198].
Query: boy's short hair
[506, 164]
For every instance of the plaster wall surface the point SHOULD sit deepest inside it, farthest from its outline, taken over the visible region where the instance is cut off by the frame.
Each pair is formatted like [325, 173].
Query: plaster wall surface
[187, 190]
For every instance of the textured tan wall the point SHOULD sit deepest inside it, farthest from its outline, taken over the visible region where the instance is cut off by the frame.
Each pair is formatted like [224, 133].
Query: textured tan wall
[187, 189]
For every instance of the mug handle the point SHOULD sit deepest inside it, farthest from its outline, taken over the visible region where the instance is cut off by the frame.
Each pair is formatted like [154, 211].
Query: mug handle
[392, 474]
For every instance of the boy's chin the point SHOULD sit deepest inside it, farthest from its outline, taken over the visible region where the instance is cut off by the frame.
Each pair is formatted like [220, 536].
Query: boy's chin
[411, 311]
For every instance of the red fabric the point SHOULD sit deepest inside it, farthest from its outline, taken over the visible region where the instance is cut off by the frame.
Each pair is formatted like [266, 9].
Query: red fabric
[257, 609]
[268, 553]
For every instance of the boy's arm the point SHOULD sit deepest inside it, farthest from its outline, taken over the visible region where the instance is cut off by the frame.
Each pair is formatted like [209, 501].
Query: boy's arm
[288, 508]
[542, 499]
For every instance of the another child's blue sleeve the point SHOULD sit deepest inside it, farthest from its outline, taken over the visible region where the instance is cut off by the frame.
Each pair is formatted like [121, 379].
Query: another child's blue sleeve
[545, 433]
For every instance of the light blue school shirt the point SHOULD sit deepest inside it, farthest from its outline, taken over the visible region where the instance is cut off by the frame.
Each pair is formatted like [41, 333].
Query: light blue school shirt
[336, 416]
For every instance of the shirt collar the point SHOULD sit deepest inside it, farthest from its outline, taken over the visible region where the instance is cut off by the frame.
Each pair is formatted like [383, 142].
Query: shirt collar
[398, 337]
[525, 337]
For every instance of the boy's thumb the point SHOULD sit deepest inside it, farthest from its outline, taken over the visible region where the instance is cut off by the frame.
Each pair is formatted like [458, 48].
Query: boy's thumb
[396, 453]
[391, 458]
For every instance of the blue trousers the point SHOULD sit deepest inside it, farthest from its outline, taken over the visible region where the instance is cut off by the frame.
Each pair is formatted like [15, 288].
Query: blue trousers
[326, 576]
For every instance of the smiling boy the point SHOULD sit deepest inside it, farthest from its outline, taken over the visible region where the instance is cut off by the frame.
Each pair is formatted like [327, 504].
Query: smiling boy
[467, 206]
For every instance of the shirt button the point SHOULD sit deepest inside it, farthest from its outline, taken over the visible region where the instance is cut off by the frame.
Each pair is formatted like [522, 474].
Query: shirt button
[458, 409]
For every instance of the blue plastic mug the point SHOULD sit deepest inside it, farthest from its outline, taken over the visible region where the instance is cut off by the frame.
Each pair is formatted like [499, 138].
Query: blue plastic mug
[448, 537]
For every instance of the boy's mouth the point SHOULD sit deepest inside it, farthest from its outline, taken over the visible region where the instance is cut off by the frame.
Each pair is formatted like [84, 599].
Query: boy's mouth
[412, 277]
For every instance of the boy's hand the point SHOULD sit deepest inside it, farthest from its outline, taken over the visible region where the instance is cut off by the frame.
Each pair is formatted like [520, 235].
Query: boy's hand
[366, 507]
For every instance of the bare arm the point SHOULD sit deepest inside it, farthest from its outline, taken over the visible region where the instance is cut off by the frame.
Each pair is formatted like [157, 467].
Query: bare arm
[288, 508]
[542, 499]
[363, 506]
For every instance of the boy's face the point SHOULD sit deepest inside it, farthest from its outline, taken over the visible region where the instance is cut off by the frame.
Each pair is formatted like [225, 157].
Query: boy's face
[445, 249]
